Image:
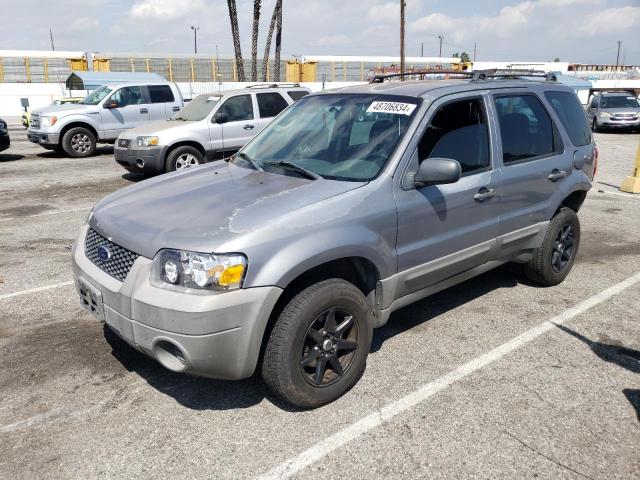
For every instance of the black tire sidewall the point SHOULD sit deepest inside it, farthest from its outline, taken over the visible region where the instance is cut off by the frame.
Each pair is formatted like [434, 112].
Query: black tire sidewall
[173, 156]
[565, 217]
[66, 142]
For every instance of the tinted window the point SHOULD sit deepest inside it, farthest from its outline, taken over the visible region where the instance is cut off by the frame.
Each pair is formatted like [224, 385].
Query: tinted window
[128, 96]
[594, 102]
[160, 93]
[271, 104]
[526, 128]
[238, 108]
[572, 116]
[297, 94]
[458, 131]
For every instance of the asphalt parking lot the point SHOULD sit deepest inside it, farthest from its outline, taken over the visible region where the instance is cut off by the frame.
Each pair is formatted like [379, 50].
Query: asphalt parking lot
[494, 378]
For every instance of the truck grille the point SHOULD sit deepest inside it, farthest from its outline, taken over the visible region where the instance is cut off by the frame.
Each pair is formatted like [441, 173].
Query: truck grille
[34, 121]
[116, 263]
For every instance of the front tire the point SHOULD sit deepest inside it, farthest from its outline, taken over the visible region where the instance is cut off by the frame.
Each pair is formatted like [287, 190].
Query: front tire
[552, 261]
[182, 158]
[79, 142]
[594, 125]
[318, 348]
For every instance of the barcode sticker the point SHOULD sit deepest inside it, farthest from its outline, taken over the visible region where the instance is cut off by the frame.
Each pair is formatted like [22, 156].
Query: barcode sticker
[391, 107]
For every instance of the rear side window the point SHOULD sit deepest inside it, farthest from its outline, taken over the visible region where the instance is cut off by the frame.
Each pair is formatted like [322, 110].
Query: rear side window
[238, 108]
[297, 94]
[160, 94]
[571, 115]
[458, 131]
[271, 104]
[526, 128]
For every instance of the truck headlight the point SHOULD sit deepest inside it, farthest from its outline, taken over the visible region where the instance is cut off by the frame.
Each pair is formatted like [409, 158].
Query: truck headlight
[180, 270]
[605, 115]
[46, 122]
[147, 141]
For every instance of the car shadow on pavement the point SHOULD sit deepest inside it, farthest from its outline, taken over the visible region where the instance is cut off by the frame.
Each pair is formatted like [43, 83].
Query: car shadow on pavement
[431, 307]
[101, 150]
[10, 157]
[195, 393]
[617, 354]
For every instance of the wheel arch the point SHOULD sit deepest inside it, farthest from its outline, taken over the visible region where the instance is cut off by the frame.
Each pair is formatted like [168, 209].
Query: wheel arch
[184, 143]
[573, 201]
[74, 124]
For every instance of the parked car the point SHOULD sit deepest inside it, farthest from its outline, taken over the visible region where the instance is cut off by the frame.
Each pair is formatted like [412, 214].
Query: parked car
[350, 205]
[102, 115]
[5, 141]
[614, 110]
[26, 116]
[211, 126]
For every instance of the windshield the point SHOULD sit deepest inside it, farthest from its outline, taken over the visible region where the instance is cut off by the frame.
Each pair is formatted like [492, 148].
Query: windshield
[96, 96]
[198, 108]
[336, 136]
[619, 102]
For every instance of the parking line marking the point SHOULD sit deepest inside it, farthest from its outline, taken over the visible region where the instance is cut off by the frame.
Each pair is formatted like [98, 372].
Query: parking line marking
[620, 194]
[44, 214]
[333, 442]
[35, 290]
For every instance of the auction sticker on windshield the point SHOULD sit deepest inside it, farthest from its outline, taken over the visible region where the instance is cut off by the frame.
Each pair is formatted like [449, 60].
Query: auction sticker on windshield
[391, 107]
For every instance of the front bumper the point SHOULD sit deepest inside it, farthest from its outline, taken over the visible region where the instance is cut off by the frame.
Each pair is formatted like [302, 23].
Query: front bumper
[613, 123]
[216, 335]
[141, 159]
[42, 137]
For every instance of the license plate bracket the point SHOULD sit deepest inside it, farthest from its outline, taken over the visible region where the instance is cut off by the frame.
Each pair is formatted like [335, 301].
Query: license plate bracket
[91, 299]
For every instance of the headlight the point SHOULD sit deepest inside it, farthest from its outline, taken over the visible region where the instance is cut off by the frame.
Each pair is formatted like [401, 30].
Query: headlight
[147, 141]
[46, 122]
[178, 270]
[3, 125]
[605, 115]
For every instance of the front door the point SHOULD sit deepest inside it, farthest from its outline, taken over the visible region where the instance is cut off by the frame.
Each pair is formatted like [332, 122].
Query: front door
[447, 229]
[240, 125]
[132, 111]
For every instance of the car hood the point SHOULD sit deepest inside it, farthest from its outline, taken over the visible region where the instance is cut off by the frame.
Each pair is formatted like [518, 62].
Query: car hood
[156, 128]
[65, 109]
[204, 207]
[621, 110]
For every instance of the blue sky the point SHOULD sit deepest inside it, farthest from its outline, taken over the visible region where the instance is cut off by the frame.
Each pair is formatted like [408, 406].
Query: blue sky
[573, 30]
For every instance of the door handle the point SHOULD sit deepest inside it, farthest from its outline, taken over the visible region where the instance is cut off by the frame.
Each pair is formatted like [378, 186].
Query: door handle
[556, 175]
[248, 127]
[484, 194]
[144, 110]
[176, 109]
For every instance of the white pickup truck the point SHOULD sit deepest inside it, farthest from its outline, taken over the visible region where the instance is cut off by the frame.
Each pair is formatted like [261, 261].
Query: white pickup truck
[105, 113]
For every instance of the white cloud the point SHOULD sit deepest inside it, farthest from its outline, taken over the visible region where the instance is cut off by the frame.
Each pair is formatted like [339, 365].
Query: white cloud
[165, 9]
[83, 24]
[623, 18]
[333, 40]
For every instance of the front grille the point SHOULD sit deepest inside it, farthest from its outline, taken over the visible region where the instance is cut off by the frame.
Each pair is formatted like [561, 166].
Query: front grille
[124, 143]
[119, 261]
[34, 121]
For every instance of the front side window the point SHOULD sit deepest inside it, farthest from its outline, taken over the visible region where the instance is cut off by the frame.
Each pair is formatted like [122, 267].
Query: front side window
[238, 108]
[594, 102]
[270, 104]
[160, 94]
[337, 136]
[526, 128]
[128, 96]
[568, 108]
[458, 131]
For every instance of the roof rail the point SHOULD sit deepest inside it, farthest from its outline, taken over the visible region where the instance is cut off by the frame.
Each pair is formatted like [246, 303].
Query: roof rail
[433, 71]
[274, 85]
[513, 73]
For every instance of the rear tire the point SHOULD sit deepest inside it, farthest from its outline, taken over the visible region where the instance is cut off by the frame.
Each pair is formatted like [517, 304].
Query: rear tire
[552, 262]
[314, 356]
[182, 158]
[594, 125]
[79, 142]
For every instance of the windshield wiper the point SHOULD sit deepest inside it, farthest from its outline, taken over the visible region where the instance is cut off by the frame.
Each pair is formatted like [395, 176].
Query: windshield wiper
[295, 168]
[253, 163]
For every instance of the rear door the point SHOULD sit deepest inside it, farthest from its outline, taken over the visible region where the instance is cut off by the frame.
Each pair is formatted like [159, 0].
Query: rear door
[534, 162]
[270, 104]
[162, 103]
[132, 111]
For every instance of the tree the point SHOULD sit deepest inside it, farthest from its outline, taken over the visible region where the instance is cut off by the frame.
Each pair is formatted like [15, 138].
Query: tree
[464, 57]
[235, 33]
[254, 40]
[557, 59]
[277, 12]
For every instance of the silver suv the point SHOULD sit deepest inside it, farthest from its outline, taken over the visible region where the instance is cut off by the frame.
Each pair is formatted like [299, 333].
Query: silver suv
[614, 110]
[350, 205]
[210, 127]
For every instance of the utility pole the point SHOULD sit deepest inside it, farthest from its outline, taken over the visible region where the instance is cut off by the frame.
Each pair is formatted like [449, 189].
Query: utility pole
[474, 51]
[51, 37]
[618, 55]
[195, 38]
[422, 49]
[440, 37]
[402, 5]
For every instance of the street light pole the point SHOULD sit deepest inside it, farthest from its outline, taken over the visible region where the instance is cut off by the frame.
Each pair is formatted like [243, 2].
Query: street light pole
[402, 5]
[195, 38]
[440, 37]
[618, 55]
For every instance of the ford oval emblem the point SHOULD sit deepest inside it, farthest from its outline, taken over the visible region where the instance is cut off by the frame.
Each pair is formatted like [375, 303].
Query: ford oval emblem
[104, 254]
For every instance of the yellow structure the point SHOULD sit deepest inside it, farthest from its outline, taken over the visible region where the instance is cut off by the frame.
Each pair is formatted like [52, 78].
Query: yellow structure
[78, 64]
[102, 64]
[301, 72]
[631, 184]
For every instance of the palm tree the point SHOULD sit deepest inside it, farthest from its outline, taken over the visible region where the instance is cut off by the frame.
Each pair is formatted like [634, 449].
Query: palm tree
[235, 32]
[276, 21]
[276, 67]
[254, 40]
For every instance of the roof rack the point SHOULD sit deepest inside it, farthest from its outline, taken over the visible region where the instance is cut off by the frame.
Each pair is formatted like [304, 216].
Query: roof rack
[512, 73]
[382, 78]
[274, 85]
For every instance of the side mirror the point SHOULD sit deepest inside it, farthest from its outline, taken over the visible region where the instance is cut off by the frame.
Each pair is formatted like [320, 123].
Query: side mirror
[220, 117]
[437, 171]
[109, 104]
